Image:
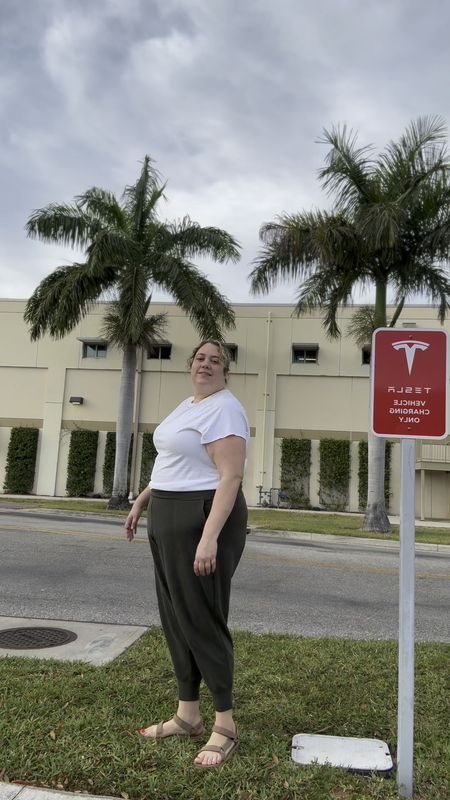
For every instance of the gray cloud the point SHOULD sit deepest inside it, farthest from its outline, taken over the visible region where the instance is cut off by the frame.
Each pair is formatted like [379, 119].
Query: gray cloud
[228, 97]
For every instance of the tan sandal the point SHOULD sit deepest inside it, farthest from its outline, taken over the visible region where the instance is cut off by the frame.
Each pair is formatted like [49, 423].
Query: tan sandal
[225, 751]
[194, 731]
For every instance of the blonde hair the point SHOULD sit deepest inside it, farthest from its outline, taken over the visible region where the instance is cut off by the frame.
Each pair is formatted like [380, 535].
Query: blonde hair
[224, 354]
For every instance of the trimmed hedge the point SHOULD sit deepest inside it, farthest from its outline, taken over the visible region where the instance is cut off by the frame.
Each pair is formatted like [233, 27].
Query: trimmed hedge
[296, 471]
[149, 454]
[334, 478]
[82, 461]
[21, 460]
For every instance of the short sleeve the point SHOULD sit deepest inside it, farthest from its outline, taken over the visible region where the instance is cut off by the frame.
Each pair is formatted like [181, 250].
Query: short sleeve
[230, 420]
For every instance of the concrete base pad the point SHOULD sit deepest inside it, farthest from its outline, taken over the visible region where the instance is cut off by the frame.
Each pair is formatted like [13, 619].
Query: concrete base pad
[348, 752]
[96, 643]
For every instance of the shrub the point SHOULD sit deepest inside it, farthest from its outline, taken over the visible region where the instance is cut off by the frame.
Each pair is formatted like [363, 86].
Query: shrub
[82, 460]
[296, 471]
[21, 460]
[334, 476]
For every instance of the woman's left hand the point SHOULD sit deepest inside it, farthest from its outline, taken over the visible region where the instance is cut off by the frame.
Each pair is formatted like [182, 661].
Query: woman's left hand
[205, 557]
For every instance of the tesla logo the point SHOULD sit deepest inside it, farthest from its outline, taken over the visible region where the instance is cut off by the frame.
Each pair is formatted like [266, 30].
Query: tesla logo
[410, 347]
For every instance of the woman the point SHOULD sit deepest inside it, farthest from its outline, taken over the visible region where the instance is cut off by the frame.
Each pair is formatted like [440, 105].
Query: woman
[197, 523]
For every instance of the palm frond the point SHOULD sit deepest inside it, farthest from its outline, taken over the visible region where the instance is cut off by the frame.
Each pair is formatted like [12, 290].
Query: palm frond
[362, 325]
[297, 245]
[327, 290]
[143, 195]
[416, 158]
[189, 239]
[116, 329]
[429, 280]
[132, 288]
[379, 224]
[209, 311]
[113, 247]
[63, 298]
[62, 223]
[426, 131]
[104, 206]
[150, 212]
[347, 174]
[435, 209]
[288, 251]
[155, 329]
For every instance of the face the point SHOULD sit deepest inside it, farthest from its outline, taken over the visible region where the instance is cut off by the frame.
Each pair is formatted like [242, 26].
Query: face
[207, 371]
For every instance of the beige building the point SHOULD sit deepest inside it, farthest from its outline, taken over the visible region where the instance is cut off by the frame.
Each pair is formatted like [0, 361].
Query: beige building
[292, 380]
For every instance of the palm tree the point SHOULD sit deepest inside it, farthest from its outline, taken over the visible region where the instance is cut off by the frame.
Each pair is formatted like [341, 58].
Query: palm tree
[389, 226]
[128, 252]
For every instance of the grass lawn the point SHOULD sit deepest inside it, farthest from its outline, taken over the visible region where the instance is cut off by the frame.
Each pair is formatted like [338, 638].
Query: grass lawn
[73, 726]
[336, 524]
[269, 519]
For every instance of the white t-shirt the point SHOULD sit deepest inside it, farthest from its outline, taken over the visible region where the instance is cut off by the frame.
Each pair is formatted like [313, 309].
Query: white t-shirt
[183, 463]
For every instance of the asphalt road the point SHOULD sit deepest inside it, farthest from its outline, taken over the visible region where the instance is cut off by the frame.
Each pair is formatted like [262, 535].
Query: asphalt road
[71, 567]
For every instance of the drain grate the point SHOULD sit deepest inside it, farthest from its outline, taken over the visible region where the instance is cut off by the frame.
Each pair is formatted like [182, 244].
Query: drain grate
[35, 638]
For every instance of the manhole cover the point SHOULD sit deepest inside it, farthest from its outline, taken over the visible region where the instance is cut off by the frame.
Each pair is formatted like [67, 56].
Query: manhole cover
[34, 638]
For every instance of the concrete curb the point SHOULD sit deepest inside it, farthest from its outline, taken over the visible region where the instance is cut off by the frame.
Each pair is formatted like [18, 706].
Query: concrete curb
[345, 540]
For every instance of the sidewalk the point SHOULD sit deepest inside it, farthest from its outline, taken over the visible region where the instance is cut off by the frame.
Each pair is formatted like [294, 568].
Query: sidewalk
[11, 791]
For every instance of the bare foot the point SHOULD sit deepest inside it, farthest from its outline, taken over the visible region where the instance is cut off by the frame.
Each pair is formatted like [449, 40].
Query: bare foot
[173, 727]
[212, 758]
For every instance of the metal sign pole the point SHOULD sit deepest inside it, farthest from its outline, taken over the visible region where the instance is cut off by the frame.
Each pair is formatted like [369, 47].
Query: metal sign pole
[409, 383]
[406, 621]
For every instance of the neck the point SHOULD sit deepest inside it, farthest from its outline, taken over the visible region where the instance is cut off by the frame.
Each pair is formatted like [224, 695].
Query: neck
[199, 396]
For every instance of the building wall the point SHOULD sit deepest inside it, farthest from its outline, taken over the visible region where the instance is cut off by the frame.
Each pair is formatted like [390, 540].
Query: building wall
[326, 399]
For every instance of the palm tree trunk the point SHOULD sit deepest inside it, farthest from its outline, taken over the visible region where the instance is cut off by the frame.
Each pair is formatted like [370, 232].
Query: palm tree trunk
[376, 518]
[119, 497]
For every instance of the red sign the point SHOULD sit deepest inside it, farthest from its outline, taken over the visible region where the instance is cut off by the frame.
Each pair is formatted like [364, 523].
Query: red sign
[409, 383]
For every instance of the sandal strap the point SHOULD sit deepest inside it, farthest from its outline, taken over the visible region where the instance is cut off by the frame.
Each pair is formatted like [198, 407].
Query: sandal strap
[233, 735]
[213, 748]
[159, 730]
[182, 723]
[185, 726]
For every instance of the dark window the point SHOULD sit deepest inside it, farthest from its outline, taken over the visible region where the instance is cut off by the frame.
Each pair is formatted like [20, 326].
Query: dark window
[160, 351]
[305, 353]
[365, 354]
[233, 351]
[94, 350]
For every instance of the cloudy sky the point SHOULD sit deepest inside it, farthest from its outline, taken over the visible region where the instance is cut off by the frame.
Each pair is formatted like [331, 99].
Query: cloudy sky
[228, 96]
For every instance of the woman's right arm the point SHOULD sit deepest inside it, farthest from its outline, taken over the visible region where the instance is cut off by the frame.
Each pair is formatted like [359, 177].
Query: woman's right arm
[139, 505]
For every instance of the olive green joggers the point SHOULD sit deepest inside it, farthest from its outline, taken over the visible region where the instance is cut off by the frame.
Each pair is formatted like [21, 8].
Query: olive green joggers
[194, 610]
